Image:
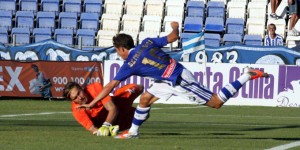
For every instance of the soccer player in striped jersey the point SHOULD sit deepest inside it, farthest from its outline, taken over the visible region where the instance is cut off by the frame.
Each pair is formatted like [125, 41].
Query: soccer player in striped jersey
[170, 77]
[273, 39]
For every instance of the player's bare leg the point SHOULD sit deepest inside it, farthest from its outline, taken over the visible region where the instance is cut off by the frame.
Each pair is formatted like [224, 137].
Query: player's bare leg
[141, 114]
[217, 100]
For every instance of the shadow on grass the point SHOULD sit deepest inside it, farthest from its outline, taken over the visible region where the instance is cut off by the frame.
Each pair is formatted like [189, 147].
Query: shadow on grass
[272, 128]
[225, 136]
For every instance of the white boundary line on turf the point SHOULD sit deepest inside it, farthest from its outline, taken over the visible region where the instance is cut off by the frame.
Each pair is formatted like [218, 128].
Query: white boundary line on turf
[286, 146]
[51, 113]
[33, 114]
[198, 106]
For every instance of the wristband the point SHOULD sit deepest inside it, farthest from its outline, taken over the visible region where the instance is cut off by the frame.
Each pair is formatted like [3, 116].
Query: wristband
[106, 124]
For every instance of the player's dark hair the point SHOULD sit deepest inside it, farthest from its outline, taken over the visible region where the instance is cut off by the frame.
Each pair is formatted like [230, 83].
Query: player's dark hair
[68, 87]
[272, 24]
[123, 40]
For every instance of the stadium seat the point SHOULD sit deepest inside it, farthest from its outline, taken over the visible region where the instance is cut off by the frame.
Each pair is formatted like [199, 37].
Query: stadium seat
[93, 6]
[151, 24]
[40, 34]
[245, 2]
[6, 19]
[193, 24]
[104, 38]
[195, 8]
[255, 26]
[280, 26]
[171, 45]
[20, 35]
[46, 20]
[72, 6]
[68, 20]
[110, 22]
[113, 7]
[214, 24]
[4, 36]
[134, 35]
[224, 1]
[232, 39]
[50, 5]
[29, 5]
[257, 10]
[212, 39]
[293, 42]
[25, 19]
[89, 21]
[9, 5]
[143, 35]
[174, 8]
[235, 26]
[167, 23]
[185, 36]
[87, 37]
[236, 10]
[216, 9]
[131, 23]
[64, 36]
[134, 7]
[154, 8]
[253, 40]
[260, 1]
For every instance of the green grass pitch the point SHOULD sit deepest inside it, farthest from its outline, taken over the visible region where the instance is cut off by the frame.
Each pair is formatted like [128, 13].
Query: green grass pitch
[49, 125]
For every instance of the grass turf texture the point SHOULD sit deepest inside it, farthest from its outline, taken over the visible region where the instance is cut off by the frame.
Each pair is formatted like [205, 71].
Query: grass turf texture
[175, 127]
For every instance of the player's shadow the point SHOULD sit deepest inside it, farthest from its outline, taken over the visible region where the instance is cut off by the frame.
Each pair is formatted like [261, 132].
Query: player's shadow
[168, 134]
[184, 134]
[272, 128]
[226, 134]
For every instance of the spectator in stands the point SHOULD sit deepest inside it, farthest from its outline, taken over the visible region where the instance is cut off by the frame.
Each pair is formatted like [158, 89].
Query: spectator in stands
[114, 110]
[273, 39]
[44, 82]
[294, 16]
[274, 6]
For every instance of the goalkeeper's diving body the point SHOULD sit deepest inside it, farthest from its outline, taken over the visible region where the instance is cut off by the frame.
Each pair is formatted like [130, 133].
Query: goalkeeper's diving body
[108, 116]
[170, 77]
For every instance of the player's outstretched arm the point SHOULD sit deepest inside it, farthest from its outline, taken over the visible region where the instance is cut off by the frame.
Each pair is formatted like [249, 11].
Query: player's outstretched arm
[174, 35]
[112, 112]
[105, 91]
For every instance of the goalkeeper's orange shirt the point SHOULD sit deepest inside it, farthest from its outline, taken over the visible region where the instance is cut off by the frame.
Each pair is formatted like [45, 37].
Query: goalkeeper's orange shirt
[122, 98]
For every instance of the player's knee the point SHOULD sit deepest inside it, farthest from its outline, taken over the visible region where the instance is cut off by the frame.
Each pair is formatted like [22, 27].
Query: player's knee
[145, 99]
[140, 88]
[215, 102]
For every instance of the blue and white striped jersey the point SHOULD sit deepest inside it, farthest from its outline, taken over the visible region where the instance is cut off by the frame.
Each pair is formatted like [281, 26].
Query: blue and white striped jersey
[277, 41]
[148, 60]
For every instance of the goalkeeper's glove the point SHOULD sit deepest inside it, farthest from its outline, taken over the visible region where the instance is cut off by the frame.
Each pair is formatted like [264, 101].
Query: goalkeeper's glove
[107, 129]
[113, 130]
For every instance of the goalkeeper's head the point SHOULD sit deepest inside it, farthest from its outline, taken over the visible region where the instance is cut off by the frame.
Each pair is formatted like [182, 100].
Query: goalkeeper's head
[74, 92]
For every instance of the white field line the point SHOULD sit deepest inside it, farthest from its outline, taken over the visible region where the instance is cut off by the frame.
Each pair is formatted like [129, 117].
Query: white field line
[51, 113]
[33, 114]
[286, 146]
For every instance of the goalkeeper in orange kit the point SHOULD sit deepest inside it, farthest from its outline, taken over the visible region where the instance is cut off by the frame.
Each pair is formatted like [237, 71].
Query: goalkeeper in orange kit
[111, 114]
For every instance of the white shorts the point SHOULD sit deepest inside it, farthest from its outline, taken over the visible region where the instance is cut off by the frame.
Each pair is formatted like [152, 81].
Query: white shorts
[186, 87]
